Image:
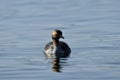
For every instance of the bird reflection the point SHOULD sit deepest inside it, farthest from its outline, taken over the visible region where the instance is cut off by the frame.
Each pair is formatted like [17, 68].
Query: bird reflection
[57, 64]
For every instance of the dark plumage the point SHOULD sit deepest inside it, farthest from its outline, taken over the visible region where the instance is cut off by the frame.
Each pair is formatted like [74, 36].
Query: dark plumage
[57, 48]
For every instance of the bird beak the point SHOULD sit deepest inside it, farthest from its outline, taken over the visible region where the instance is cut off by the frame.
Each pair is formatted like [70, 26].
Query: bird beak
[62, 37]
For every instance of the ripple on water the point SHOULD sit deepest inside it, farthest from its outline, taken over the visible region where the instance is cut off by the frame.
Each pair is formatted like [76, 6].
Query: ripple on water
[90, 27]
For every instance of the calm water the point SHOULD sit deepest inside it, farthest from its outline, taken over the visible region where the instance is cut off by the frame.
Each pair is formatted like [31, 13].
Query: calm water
[90, 27]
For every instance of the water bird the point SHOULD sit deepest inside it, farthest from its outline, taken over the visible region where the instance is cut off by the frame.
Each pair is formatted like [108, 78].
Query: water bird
[56, 48]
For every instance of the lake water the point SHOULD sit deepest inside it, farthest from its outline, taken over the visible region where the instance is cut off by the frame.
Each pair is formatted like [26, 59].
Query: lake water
[90, 27]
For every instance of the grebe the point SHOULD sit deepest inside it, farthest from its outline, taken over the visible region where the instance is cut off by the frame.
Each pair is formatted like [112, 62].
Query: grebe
[56, 48]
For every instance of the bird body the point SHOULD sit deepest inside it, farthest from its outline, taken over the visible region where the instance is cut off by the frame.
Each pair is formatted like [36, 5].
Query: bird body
[57, 48]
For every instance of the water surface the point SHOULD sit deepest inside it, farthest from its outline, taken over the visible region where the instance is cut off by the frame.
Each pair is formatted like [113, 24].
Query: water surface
[90, 27]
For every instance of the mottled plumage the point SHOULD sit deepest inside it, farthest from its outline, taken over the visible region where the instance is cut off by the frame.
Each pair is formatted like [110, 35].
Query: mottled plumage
[57, 48]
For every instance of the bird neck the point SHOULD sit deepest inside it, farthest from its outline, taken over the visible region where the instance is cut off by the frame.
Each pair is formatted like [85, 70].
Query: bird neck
[55, 42]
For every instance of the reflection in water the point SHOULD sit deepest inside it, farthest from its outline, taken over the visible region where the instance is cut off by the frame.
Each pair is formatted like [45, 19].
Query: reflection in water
[58, 64]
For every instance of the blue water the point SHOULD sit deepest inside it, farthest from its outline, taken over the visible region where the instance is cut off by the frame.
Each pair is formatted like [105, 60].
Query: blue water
[90, 27]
